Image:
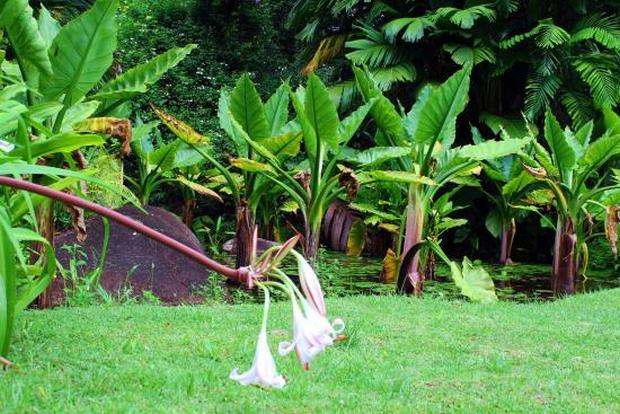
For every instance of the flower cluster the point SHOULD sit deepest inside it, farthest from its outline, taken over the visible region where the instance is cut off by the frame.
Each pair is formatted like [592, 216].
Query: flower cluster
[312, 332]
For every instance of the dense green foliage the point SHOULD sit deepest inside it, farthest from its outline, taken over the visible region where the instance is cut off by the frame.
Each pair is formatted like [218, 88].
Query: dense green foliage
[233, 37]
[559, 357]
[528, 54]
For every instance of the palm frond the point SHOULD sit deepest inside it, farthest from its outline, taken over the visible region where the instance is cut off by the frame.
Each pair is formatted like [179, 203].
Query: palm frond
[465, 18]
[578, 106]
[374, 49]
[413, 28]
[539, 92]
[602, 29]
[386, 77]
[546, 34]
[600, 72]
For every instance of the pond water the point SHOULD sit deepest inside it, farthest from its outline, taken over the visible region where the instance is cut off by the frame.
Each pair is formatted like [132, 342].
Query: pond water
[342, 275]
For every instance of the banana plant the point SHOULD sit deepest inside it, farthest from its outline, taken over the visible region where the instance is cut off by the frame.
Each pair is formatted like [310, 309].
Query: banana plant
[246, 119]
[428, 131]
[166, 163]
[574, 168]
[319, 179]
[57, 79]
[512, 189]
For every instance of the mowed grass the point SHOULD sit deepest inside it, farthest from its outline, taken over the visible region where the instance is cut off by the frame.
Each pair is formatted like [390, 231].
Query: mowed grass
[403, 355]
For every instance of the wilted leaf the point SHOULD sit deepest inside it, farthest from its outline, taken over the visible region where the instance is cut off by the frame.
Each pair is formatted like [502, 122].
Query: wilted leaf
[182, 130]
[357, 238]
[390, 267]
[348, 180]
[200, 189]
[115, 127]
[247, 164]
[611, 228]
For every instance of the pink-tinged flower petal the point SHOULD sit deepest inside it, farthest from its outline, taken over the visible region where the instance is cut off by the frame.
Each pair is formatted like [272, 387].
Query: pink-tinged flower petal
[310, 285]
[263, 372]
[312, 333]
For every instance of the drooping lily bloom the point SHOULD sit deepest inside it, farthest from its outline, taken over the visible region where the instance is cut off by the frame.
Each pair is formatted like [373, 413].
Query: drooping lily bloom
[310, 284]
[263, 372]
[312, 332]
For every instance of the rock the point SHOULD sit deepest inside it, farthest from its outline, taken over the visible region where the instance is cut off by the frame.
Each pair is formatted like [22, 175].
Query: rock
[135, 261]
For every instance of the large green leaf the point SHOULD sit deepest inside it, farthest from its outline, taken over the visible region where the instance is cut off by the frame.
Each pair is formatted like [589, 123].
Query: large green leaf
[225, 117]
[493, 222]
[141, 142]
[489, 150]
[286, 144]
[612, 121]
[601, 151]
[351, 124]
[474, 282]
[62, 143]
[276, 109]
[438, 117]
[322, 115]
[8, 267]
[48, 27]
[81, 53]
[516, 127]
[306, 127]
[562, 152]
[247, 109]
[378, 155]
[383, 111]
[518, 184]
[24, 36]
[137, 80]
[413, 116]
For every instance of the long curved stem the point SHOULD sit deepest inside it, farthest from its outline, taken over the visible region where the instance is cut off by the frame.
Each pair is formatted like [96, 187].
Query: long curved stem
[241, 274]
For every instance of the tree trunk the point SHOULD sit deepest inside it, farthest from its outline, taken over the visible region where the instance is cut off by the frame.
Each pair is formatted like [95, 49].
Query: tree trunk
[45, 221]
[311, 244]
[244, 235]
[508, 236]
[564, 269]
[414, 230]
[189, 205]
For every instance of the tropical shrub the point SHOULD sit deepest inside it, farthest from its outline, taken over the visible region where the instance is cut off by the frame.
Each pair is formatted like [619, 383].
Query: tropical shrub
[244, 118]
[575, 169]
[428, 132]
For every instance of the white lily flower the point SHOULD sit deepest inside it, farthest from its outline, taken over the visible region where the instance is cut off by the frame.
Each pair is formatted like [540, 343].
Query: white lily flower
[310, 284]
[312, 333]
[263, 372]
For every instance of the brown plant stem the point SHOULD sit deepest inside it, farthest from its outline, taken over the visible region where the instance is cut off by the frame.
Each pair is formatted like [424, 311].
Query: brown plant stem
[244, 234]
[243, 275]
[508, 236]
[414, 227]
[45, 221]
[564, 268]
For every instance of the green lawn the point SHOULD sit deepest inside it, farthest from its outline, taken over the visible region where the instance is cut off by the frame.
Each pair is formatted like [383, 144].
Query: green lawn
[402, 355]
